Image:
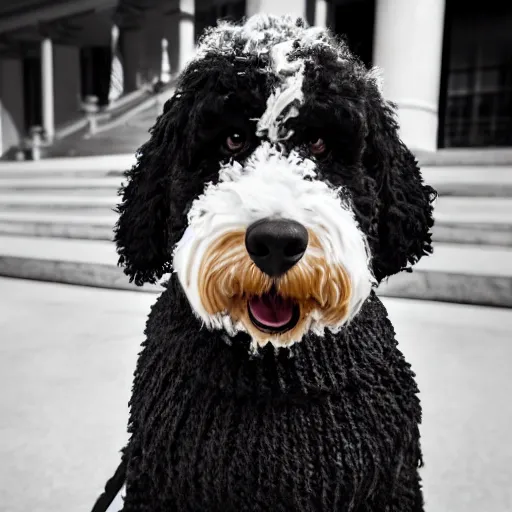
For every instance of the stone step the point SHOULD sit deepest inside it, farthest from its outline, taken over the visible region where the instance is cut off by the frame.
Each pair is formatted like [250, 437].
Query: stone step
[490, 157]
[449, 210]
[33, 202]
[458, 220]
[58, 192]
[99, 227]
[455, 273]
[86, 166]
[65, 184]
[468, 274]
[82, 262]
[471, 210]
[92, 227]
[448, 181]
[470, 181]
[497, 234]
[467, 179]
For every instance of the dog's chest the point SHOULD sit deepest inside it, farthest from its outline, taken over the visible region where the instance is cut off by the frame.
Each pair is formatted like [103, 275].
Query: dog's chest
[324, 430]
[317, 451]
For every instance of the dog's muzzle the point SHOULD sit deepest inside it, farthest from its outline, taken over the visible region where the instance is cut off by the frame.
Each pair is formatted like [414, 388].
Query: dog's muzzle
[273, 251]
[275, 246]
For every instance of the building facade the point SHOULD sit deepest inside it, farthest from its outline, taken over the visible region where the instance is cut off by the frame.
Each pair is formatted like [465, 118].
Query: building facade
[447, 64]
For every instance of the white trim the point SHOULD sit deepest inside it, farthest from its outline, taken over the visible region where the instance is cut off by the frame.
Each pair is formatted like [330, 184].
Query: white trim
[70, 128]
[126, 98]
[321, 13]
[101, 164]
[47, 89]
[410, 104]
[152, 101]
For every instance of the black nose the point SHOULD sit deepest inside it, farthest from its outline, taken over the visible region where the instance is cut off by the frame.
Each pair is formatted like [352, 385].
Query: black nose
[276, 245]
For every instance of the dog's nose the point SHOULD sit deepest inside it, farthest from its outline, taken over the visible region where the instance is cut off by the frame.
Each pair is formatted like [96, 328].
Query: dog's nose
[276, 245]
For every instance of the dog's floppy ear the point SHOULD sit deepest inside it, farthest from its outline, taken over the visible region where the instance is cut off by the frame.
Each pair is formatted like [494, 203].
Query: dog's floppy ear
[404, 202]
[141, 233]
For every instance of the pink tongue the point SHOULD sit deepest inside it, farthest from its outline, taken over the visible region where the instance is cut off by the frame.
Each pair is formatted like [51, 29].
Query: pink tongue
[271, 310]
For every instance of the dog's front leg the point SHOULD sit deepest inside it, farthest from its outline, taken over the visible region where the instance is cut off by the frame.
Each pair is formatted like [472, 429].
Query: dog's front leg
[408, 495]
[139, 491]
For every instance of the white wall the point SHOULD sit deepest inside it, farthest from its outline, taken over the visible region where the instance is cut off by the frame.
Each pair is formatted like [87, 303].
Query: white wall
[11, 99]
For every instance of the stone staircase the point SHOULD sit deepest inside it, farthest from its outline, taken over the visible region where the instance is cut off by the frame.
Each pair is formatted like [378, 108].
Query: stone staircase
[56, 219]
[127, 137]
[472, 261]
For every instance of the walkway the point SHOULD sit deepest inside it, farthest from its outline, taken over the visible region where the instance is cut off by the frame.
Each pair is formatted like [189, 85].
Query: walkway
[67, 354]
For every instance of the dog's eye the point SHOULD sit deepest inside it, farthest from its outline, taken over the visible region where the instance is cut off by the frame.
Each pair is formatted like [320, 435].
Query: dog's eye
[235, 142]
[317, 146]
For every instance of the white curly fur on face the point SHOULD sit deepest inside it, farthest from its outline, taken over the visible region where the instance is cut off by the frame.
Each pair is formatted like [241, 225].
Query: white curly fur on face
[273, 185]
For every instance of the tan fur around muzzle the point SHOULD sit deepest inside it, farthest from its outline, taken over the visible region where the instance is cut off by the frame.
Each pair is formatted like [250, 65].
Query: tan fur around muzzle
[228, 279]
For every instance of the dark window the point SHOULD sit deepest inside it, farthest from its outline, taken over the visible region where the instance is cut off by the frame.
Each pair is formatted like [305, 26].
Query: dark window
[479, 108]
[95, 63]
[354, 19]
[476, 83]
[32, 87]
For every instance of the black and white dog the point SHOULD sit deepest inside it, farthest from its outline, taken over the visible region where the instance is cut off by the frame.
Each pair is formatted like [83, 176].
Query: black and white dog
[276, 191]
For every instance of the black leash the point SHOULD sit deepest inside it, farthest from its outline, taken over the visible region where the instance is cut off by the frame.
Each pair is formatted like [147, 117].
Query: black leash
[112, 487]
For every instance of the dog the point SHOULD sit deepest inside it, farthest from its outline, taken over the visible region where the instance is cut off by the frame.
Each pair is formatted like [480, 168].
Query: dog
[276, 193]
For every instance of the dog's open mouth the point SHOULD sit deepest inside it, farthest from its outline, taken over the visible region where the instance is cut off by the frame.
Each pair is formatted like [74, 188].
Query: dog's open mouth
[273, 313]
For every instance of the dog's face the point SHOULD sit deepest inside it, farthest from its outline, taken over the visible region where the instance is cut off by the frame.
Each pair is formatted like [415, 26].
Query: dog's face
[274, 185]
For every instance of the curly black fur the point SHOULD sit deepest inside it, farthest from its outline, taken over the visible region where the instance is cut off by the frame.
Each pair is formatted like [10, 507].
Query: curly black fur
[333, 427]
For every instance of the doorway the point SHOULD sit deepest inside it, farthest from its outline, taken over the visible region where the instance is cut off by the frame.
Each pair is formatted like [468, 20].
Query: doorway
[32, 87]
[95, 63]
[354, 19]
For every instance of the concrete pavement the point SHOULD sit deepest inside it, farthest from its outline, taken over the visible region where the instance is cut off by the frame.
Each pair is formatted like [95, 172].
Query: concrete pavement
[67, 355]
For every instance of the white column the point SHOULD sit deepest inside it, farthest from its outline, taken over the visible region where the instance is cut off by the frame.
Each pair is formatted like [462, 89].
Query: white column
[295, 8]
[321, 13]
[47, 87]
[180, 34]
[408, 47]
[116, 70]
[165, 67]
[187, 40]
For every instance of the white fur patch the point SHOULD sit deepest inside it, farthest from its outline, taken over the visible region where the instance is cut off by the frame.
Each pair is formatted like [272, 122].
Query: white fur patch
[271, 184]
[285, 101]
